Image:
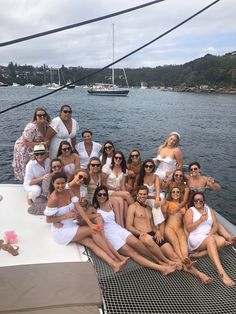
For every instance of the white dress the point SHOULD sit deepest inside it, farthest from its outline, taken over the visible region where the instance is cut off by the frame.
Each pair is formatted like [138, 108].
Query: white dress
[114, 233]
[112, 179]
[157, 214]
[166, 164]
[62, 134]
[83, 155]
[66, 233]
[198, 235]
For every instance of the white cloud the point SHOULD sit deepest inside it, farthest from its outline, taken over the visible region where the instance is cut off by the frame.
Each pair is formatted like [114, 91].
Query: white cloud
[90, 45]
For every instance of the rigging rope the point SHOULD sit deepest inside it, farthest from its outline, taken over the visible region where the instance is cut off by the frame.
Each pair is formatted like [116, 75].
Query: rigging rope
[116, 61]
[64, 28]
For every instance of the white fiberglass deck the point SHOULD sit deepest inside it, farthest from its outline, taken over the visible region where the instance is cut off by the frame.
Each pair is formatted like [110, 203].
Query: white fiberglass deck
[35, 242]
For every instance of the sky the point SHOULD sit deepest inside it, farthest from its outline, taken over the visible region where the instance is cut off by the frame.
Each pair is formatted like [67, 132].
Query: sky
[214, 32]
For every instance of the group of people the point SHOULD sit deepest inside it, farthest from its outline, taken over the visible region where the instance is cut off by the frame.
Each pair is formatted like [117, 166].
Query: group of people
[150, 211]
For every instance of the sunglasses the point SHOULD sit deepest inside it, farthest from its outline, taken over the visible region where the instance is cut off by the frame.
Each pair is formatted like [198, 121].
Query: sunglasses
[67, 111]
[118, 158]
[39, 154]
[135, 155]
[95, 165]
[178, 175]
[108, 147]
[149, 166]
[198, 200]
[41, 115]
[66, 149]
[56, 167]
[175, 192]
[82, 178]
[193, 169]
[102, 194]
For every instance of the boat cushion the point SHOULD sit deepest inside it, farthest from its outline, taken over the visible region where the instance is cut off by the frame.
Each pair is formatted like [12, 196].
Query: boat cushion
[48, 286]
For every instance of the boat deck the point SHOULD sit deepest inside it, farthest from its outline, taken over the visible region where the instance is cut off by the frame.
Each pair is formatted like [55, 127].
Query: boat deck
[45, 277]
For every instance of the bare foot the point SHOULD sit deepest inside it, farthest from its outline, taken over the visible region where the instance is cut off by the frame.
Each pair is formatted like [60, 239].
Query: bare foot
[124, 258]
[227, 280]
[206, 279]
[116, 267]
[198, 254]
[29, 201]
[230, 241]
[189, 264]
[166, 270]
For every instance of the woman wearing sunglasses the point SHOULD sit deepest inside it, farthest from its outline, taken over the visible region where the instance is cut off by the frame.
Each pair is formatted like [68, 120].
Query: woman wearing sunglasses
[95, 178]
[169, 156]
[34, 133]
[201, 223]
[87, 149]
[178, 180]
[36, 170]
[121, 239]
[113, 177]
[134, 164]
[63, 127]
[70, 160]
[39, 205]
[152, 182]
[62, 208]
[107, 153]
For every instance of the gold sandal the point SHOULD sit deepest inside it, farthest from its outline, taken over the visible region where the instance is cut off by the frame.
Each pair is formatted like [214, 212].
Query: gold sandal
[9, 248]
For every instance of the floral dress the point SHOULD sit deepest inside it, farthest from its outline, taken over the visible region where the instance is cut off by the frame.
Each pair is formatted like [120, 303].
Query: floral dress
[21, 154]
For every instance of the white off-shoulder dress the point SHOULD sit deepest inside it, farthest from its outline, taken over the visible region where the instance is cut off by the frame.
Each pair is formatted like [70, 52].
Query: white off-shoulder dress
[66, 233]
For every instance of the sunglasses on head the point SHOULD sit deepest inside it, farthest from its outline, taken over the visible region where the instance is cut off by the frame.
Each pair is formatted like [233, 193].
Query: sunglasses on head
[135, 155]
[66, 149]
[149, 166]
[41, 115]
[84, 179]
[39, 154]
[95, 165]
[108, 147]
[193, 169]
[198, 200]
[102, 194]
[67, 111]
[178, 175]
[118, 158]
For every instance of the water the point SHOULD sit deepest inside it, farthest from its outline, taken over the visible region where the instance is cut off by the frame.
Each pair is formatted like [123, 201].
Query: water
[206, 123]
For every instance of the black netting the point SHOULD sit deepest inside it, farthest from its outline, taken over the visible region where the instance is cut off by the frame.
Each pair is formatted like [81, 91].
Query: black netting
[137, 289]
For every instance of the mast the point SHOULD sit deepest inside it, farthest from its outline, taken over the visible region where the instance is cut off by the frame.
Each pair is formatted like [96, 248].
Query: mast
[59, 79]
[113, 57]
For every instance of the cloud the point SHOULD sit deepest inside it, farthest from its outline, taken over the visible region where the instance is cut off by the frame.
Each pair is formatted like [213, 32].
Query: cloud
[90, 45]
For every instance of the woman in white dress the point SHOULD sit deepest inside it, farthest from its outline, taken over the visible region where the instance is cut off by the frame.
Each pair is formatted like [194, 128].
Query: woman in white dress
[169, 156]
[62, 208]
[87, 149]
[201, 223]
[121, 239]
[107, 151]
[69, 159]
[62, 128]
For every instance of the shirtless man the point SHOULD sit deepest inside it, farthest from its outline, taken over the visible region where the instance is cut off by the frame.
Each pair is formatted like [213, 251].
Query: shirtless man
[139, 221]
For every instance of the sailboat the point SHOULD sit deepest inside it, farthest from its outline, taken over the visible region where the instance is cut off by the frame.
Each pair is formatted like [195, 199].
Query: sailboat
[55, 85]
[102, 89]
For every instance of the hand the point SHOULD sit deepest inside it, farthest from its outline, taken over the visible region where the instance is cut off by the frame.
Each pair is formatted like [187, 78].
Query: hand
[157, 203]
[211, 180]
[142, 234]
[94, 228]
[47, 175]
[203, 217]
[158, 236]
[71, 214]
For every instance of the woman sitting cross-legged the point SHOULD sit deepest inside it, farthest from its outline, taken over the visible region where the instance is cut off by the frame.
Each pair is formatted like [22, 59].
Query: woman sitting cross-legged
[62, 209]
[120, 238]
[113, 177]
[201, 223]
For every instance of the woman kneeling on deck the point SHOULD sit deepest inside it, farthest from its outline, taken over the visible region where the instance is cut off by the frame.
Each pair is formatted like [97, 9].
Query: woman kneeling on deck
[62, 209]
[201, 223]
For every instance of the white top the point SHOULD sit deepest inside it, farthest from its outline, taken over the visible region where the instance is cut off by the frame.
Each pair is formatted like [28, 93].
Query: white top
[112, 179]
[166, 164]
[198, 235]
[34, 170]
[62, 134]
[108, 160]
[83, 155]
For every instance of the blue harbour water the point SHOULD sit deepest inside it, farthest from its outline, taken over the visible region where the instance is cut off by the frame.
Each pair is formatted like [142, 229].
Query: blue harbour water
[206, 123]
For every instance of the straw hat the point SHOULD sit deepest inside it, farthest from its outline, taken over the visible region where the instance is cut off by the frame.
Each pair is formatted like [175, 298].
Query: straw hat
[40, 148]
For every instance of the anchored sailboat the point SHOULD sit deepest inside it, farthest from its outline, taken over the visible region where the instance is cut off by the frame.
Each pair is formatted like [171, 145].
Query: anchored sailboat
[102, 89]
